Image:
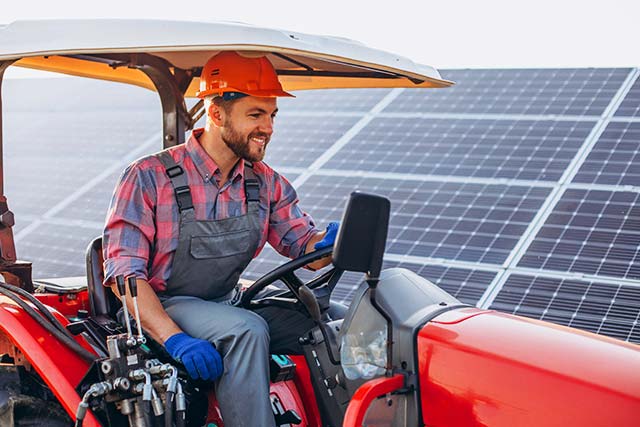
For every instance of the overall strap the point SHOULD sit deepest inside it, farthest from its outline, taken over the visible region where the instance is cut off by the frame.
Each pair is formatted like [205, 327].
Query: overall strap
[178, 181]
[251, 184]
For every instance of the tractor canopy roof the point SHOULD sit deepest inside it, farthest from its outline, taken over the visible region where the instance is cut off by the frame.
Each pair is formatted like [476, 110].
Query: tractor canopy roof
[106, 48]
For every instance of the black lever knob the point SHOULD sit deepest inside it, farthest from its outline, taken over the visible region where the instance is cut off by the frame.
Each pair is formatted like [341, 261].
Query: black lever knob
[133, 286]
[121, 287]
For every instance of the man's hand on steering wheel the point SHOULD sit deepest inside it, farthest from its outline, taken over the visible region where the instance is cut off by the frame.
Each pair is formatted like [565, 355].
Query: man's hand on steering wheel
[320, 241]
[299, 291]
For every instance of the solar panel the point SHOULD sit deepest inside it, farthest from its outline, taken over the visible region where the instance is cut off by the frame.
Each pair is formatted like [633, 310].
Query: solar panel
[608, 309]
[93, 205]
[466, 222]
[51, 187]
[615, 159]
[580, 92]
[630, 106]
[469, 170]
[592, 232]
[335, 100]
[57, 250]
[522, 149]
[63, 154]
[299, 140]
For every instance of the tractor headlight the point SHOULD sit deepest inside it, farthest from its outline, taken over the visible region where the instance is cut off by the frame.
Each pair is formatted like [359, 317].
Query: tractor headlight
[363, 345]
[364, 355]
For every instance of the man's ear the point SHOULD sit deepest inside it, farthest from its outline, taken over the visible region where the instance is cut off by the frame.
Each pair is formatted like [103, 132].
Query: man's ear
[215, 114]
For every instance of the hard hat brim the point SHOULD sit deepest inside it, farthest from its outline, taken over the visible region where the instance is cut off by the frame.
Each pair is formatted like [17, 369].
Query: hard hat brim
[270, 93]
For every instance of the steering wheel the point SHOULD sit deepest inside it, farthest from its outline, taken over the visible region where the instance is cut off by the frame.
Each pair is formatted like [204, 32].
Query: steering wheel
[299, 291]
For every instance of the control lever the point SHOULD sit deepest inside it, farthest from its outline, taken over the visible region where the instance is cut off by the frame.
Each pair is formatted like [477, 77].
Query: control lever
[123, 299]
[308, 298]
[133, 289]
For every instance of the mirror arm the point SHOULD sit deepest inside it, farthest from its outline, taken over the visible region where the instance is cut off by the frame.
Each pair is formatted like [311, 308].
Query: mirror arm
[332, 344]
[373, 282]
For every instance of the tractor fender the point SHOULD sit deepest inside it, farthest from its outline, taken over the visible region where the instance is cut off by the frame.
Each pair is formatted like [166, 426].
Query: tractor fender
[59, 366]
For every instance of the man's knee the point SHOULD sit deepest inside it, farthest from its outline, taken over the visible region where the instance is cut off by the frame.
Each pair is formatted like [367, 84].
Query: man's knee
[256, 327]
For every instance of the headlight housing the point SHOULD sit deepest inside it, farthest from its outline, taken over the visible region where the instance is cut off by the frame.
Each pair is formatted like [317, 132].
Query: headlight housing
[363, 345]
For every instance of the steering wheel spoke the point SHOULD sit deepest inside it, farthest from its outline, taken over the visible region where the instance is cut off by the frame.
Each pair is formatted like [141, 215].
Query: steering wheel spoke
[292, 281]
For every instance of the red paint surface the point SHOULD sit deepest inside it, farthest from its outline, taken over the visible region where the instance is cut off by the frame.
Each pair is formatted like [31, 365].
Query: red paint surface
[494, 369]
[285, 391]
[367, 393]
[302, 381]
[67, 304]
[289, 397]
[60, 367]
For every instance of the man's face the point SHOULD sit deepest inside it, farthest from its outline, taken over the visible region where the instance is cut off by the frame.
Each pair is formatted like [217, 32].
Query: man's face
[248, 125]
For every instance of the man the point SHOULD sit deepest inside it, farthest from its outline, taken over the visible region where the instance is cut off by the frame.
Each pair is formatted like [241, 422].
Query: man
[188, 220]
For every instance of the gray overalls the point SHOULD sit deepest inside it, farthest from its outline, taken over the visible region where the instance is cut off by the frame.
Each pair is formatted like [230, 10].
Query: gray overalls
[210, 256]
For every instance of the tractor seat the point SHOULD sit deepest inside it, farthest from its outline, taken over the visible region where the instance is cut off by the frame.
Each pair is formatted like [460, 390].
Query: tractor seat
[102, 301]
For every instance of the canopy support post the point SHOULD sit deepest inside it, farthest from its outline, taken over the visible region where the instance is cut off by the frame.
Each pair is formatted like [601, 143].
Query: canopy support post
[14, 272]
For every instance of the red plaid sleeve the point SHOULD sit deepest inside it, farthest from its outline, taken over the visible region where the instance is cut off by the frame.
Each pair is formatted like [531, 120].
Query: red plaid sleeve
[130, 225]
[290, 228]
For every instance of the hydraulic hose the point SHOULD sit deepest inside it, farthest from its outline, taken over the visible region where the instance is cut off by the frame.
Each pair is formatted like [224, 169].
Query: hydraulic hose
[168, 409]
[41, 307]
[69, 342]
[97, 389]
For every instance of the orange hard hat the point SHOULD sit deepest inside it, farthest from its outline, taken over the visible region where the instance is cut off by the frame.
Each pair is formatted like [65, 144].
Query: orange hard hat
[228, 71]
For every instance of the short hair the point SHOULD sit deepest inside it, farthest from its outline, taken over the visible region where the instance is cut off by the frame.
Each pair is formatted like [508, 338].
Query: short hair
[223, 103]
[219, 101]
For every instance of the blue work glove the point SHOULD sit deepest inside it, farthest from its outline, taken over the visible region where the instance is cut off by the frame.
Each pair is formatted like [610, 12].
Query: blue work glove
[200, 357]
[329, 237]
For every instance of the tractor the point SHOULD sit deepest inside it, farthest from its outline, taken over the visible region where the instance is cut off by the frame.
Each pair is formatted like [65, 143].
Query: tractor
[405, 354]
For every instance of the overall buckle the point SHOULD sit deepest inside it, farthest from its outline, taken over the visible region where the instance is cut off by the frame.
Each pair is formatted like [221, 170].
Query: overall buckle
[183, 197]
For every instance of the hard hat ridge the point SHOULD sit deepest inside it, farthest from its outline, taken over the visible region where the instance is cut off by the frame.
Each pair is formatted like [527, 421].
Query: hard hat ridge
[229, 72]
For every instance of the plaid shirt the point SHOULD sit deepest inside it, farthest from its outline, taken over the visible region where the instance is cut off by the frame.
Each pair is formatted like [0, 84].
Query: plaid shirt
[141, 231]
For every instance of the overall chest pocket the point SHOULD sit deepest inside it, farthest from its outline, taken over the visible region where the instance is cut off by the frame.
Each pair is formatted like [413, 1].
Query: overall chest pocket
[220, 246]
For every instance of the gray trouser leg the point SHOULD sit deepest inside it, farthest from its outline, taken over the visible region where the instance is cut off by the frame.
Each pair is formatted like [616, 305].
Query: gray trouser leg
[242, 338]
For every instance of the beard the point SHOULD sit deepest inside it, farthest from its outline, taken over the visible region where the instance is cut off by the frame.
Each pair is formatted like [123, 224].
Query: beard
[241, 145]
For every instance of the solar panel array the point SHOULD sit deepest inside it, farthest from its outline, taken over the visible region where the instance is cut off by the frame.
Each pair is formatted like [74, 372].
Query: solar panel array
[515, 190]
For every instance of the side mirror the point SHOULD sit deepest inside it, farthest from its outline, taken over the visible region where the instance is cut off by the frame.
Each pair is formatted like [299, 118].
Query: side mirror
[362, 236]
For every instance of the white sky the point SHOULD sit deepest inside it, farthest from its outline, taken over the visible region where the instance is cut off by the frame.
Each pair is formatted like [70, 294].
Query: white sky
[446, 34]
